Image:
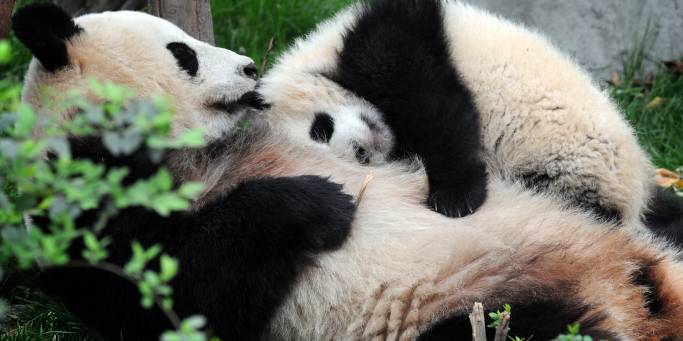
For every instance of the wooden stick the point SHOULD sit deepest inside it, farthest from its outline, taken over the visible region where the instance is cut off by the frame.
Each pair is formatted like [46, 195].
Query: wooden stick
[503, 327]
[478, 322]
[264, 62]
[363, 187]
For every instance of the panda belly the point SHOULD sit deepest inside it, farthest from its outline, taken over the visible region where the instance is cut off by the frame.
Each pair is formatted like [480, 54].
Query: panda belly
[401, 272]
[544, 122]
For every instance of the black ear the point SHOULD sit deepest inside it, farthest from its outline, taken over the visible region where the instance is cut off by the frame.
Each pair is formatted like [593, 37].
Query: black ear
[45, 28]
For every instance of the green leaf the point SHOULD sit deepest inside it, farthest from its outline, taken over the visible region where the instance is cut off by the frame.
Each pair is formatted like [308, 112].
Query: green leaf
[574, 329]
[192, 138]
[167, 203]
[5, 52]
[152, 252]
[26, 121]
[171, 336]
[191, 190]
[508, 308]
[163, 180]
[194, 322]
[169, 267]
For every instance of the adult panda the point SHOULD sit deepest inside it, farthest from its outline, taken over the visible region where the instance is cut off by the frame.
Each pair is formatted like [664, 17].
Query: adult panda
[543, 121]
[241, 251]
[402, 269]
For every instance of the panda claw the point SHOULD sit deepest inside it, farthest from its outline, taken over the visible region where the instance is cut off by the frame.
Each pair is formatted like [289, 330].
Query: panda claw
[456, 202]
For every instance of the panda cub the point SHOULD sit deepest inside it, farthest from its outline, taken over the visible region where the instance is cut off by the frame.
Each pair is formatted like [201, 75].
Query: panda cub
[407, 100]
[245, 241]
[419, 64]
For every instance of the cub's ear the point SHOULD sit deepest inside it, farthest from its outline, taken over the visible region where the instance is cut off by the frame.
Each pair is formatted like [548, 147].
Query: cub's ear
[45, 29]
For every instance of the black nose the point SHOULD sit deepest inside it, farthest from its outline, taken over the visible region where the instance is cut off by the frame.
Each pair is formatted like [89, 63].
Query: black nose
[250, 71]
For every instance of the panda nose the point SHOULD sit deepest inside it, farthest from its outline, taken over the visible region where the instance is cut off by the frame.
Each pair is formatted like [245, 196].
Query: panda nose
[250, 71]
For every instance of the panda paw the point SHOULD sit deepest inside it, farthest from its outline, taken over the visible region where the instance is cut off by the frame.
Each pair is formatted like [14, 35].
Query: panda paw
[328, 215]
[307, 213]
[459, 201]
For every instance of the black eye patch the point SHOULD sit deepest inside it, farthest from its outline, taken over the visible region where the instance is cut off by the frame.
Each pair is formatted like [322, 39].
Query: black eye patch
[185, 56]
[322, 128]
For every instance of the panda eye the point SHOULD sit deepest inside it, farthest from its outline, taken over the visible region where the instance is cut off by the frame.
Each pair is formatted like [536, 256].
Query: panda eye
[322, 128]
[185, 56]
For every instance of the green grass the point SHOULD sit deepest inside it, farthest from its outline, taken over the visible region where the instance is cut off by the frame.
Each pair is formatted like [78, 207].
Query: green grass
[653, 104]
[246, 26]
[34, 316]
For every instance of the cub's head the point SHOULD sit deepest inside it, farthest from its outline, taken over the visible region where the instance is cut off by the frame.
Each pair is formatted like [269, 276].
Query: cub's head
[354, 131]
[209, 87]
[314, 109]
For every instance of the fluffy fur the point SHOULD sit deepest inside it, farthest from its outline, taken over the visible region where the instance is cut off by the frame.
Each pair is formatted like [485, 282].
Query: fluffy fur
[127, 48]
[396, 56]
[430, 267]
[665, 216]
[404, 268]
[543, 121]
[240, 251]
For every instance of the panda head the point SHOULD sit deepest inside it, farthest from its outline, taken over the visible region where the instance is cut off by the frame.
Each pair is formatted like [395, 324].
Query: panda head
[311, 108]
[210, 87]
[353, 131]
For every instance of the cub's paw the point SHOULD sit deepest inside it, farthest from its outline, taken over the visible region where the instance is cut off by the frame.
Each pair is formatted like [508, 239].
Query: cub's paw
[459, 201]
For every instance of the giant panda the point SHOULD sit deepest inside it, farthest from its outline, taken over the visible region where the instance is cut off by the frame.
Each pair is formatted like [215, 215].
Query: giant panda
[403, 271]
[240, 251]
[543, 121]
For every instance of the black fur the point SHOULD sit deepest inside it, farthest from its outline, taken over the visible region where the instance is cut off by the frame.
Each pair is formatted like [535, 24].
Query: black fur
[185, 56]
[322, 128]
[542, 320]
[665, 216]
[653, 298]
[397, 57]
[541, 182]
[239, 255]
[45, 29]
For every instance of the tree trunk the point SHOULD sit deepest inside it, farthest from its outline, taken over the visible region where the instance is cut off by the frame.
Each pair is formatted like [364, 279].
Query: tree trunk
[5, 17]
[193, 16]
[79, 7]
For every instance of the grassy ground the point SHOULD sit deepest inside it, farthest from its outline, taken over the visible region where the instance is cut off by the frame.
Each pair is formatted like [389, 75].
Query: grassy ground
[246, 26]
[653, 105]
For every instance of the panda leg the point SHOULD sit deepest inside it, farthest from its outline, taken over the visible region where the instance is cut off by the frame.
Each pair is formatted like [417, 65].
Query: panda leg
[238, 255]
[665, 216]
[397, 57]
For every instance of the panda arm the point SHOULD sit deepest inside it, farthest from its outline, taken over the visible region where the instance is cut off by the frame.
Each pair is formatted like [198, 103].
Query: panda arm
[397, 58]
[239, 254]
[244, 251]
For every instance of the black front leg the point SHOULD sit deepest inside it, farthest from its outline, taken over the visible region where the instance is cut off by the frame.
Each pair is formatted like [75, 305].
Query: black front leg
[455, 194]
[241, 255]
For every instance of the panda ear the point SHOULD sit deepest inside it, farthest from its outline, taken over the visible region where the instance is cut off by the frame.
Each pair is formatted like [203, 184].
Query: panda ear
[45, 29]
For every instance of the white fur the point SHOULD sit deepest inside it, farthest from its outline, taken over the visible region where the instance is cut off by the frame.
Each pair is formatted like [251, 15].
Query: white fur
[405, 266]
[540, 109]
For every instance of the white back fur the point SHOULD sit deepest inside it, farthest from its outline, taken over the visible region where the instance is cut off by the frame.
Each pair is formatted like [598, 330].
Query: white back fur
[540, 112]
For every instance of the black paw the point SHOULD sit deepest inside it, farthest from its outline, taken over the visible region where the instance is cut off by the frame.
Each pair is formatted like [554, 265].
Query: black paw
[327, 215]
[457, 201]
